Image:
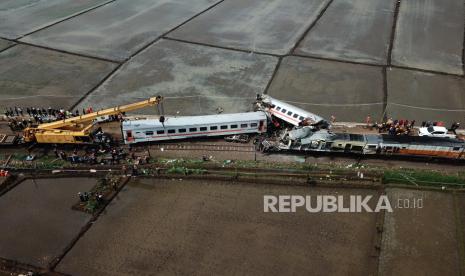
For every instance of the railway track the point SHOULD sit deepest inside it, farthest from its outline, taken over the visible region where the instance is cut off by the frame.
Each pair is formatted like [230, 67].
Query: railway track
[204, 147]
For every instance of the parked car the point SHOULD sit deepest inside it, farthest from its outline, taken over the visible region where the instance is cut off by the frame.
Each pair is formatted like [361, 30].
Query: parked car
[435, 131]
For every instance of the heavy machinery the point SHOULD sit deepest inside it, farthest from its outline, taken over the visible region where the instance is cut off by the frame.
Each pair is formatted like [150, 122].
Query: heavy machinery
[79, 129]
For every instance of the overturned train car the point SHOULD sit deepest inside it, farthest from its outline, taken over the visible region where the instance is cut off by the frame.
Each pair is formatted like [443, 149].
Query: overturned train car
[288, 112]
[305, 140]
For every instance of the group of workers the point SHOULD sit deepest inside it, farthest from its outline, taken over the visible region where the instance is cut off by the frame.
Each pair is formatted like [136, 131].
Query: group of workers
[84, 197]
[404, 127]
[37, 112]
[108, 155]
[105, 154]
[396, 127]
[21, 118]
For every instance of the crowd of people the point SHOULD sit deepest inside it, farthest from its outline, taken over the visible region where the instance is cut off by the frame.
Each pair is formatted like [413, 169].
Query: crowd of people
[38, 113]
[405, 127]
[105, 154]
[21, 118]
[396, 127]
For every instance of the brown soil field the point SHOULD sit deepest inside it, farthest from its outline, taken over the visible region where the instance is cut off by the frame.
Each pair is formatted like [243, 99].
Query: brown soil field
[420, 241]
[182, 226]
[185, 227]
[37, 221]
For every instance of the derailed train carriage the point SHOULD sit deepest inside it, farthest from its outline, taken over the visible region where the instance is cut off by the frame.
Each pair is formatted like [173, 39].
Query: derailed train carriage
[288, 112]
[310, 133]
[152, 130]
[306, 140]
[149, 130]
[317, 137]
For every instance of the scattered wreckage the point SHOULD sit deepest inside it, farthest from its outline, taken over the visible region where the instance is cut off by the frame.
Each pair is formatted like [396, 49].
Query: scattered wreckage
[313, 139]
[312, 133]
[281, 126]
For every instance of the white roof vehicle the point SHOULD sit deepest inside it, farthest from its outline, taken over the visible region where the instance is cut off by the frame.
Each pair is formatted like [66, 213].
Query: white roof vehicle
[435, 131]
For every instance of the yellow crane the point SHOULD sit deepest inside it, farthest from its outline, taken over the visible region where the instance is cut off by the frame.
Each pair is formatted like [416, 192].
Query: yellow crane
[77, 130]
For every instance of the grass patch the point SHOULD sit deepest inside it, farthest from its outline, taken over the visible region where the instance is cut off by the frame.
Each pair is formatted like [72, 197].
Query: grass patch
[44, 163]
[423, 178]
[104, 187]
[184, 170]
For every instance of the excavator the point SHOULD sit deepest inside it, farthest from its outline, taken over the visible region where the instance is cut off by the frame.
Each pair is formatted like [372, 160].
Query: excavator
[79, 129]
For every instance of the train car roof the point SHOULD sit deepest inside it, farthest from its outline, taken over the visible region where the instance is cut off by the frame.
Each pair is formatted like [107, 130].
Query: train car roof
[349, 137]
[197, 120]
[291, 107]
[422, 140]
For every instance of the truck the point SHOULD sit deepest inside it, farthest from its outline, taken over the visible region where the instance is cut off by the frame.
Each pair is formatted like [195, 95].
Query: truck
[79, 129]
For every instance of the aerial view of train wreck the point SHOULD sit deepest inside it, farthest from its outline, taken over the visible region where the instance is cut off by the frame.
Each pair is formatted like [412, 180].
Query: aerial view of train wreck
[274, 125]
[120, 148]
[232, 137]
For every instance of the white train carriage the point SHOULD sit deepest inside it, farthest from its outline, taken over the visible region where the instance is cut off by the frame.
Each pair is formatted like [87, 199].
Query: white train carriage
[148, 130]
[289, 112]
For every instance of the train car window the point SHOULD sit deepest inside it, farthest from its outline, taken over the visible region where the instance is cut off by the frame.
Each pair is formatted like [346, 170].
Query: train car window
[203, 128]
[243, 125]
[171, 131]
[181, 130]
[253, 125]
[284, 110]
[160, 132]
[233, 126]
[295, 115]
[456, 148]
[278, 108]
[372, 146]
[149, 133]
[193, 129]
[289, 113]
[224, 127]
[301, 118]
[213, 127]
[357, 148]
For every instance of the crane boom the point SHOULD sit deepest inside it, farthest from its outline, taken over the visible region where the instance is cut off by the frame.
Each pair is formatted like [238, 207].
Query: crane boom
[76, 129]
[85, 118]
